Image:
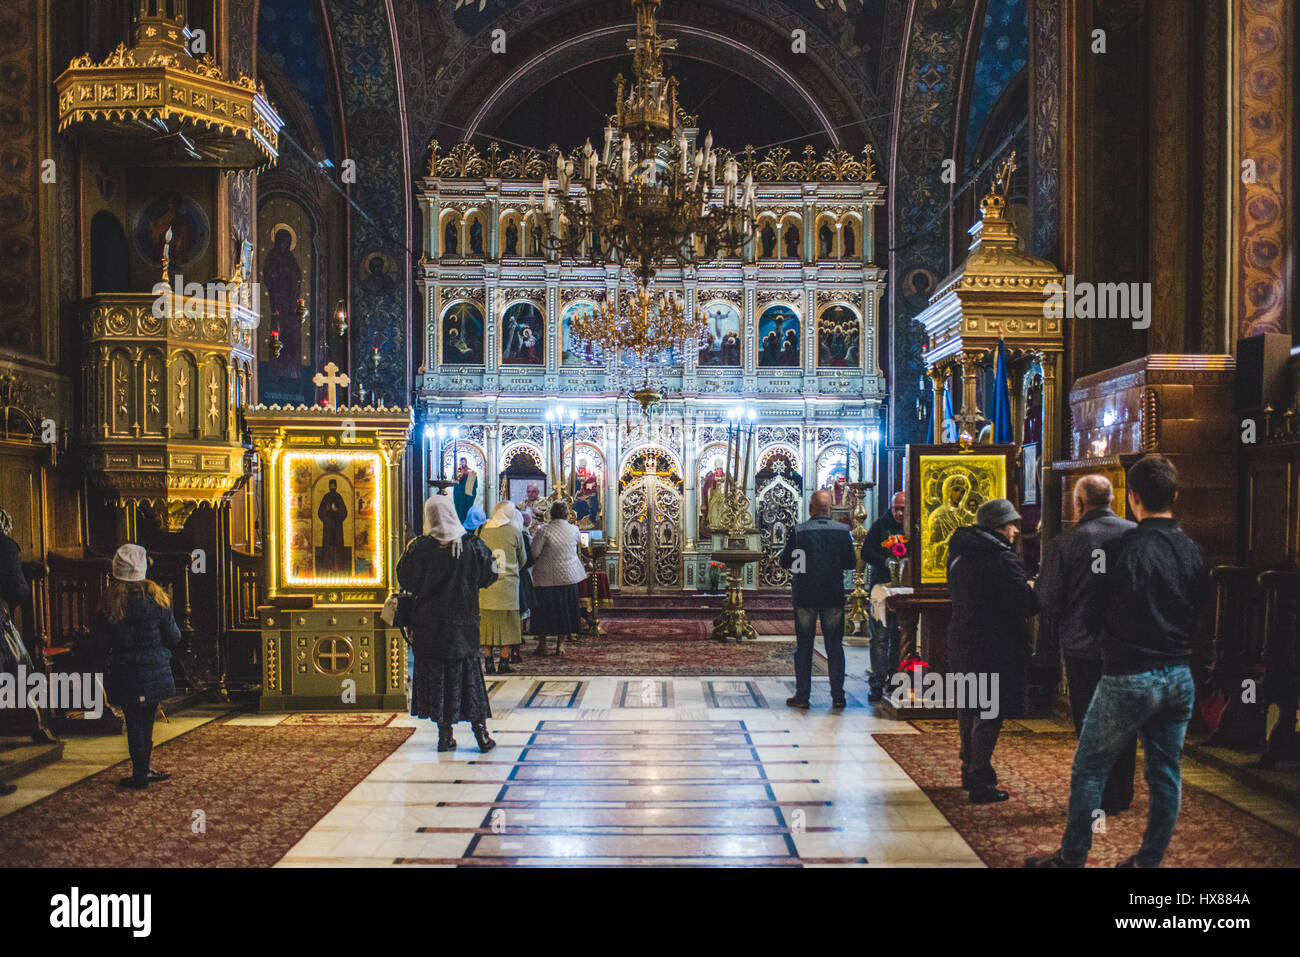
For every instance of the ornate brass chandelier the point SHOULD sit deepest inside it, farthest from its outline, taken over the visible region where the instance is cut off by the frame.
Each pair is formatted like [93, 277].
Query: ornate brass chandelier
[640, 326]
[648, 199]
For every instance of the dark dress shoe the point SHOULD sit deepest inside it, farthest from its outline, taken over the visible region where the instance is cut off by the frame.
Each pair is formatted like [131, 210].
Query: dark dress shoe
[988, 795]
[838, 702]
[490, 666]
[6, 789]
[797, 703]
[874, 696]
[503, 667]
[134, 783]
[1049, 860]
[155, 776]
[445, 741]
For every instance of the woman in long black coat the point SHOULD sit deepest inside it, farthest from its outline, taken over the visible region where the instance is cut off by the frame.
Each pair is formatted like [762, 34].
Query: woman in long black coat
[135, 627]
[444, 569]
[992, 601]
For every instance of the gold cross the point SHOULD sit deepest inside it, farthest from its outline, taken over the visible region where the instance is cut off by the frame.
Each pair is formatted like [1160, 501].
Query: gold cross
[330, 655]
[330, 381]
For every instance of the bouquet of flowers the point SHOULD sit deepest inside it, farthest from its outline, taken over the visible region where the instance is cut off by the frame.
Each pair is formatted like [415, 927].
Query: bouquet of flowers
[896, 544]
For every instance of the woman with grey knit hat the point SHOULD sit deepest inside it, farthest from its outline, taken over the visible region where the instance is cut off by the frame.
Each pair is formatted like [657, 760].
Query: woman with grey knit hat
[992, 602]
[135, 627]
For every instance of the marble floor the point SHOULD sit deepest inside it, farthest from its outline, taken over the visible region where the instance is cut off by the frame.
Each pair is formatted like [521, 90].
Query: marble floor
[632, 771]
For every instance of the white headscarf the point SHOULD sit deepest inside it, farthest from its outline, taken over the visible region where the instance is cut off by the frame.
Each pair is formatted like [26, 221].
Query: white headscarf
[504, 514]
[441, 522]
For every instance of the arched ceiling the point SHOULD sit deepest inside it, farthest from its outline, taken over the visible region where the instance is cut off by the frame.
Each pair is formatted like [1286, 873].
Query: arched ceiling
[572, 107]
[456, 88]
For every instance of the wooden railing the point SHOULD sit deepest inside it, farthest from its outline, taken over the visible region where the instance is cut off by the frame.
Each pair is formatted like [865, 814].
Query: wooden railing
[74, 587]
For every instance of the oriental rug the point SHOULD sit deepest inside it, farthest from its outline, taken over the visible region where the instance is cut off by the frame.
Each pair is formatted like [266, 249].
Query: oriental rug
[238, 797]
[1035, 768]
[664, 646]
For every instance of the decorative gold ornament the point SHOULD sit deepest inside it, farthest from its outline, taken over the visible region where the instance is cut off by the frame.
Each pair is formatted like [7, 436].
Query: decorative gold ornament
[648, 198]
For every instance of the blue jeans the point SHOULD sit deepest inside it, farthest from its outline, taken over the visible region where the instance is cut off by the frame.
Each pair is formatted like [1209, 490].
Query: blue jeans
[805, 629]
[1157, 705]
[884, 651]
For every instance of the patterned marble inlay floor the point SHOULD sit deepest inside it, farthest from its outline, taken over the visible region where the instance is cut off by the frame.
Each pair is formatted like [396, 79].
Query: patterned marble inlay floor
[632, 771]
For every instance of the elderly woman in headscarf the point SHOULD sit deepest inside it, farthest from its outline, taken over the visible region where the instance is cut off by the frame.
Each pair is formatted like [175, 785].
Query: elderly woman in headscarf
[443, 570]
[475, 518]
[499, 626]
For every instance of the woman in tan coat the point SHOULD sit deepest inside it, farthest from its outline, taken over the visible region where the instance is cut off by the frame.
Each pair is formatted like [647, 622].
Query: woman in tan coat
[500, 629]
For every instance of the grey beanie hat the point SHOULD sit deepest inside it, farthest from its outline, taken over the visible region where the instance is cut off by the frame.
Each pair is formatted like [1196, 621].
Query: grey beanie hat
[995, 513]
[130, 564]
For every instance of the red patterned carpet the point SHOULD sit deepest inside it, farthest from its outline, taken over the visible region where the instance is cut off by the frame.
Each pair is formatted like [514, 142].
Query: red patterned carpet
[663, 646]
[1035, 768]
[259, 790]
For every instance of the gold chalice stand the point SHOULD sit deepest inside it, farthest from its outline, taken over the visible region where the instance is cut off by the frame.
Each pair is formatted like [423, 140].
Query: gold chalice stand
[860, 598]
[733, 622]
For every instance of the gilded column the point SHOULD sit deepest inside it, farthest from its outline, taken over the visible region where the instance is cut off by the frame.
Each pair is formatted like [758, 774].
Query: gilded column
[939, 381]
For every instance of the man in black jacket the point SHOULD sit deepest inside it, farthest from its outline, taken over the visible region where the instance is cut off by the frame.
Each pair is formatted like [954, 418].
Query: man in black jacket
[992, 602]
[1154, 584]
[884, 636]
[1065, 587]
[818, 552]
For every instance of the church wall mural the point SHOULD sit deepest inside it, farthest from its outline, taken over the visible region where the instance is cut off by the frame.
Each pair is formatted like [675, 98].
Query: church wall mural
[722, 345]
[778, 338]
[287, 277]
[839, 337]
[371, 91]
[928, 95]
[463, 334]
[578, 352]
[523, 335]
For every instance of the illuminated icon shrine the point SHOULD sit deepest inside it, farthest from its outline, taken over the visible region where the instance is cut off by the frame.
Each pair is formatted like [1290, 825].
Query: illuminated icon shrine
[333, 496]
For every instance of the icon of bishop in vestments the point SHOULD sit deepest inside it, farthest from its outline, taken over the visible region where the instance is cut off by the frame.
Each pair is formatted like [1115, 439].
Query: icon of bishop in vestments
[332, 513]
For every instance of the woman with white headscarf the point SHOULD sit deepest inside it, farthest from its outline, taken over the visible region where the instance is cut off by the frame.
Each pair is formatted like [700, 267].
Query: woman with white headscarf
[499, 626]
[443, 570]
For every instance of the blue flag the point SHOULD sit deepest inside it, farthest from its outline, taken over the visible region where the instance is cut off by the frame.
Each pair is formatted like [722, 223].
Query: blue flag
[949, 426]
[1001, 400]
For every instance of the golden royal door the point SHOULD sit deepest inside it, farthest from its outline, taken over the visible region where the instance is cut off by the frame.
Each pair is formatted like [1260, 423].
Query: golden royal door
[650, 506]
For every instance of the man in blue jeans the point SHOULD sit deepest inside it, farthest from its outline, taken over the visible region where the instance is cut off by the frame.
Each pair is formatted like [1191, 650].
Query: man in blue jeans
[818, 552]
[1145, 611]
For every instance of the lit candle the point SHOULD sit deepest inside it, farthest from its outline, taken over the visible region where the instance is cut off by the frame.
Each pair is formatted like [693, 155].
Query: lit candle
[749, 448]
[573, 455]
[731, 466]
